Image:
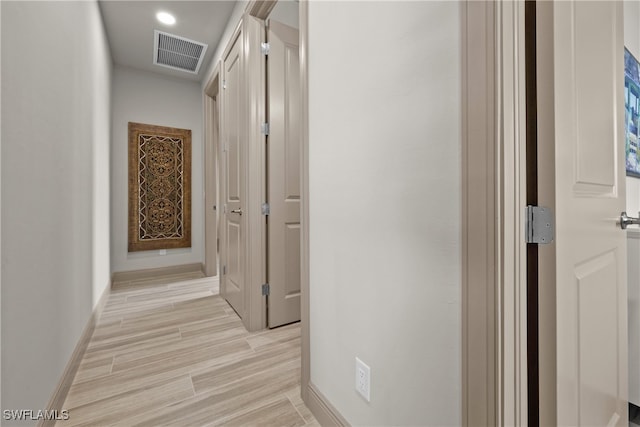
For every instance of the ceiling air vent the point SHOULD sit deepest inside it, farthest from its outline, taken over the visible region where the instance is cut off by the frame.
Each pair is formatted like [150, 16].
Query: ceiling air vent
[178, 52]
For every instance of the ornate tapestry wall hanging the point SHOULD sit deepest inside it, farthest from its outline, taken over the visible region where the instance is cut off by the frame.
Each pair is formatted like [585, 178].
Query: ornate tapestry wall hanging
[159, 187]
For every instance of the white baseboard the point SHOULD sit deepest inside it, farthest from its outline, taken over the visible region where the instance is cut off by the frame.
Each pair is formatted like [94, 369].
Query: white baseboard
[150, 273]
[60, 394]
[326, 414]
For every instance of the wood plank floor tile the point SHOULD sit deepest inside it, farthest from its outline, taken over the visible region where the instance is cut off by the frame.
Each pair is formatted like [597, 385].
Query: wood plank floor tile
[119, 407]
[93, 368]
[280, 335]
[128, 310]
[127, 380]
[211, 326]
[131, 342]
[170, 295]
[229, 399]
[211, 378]
[171, 352]
[281, 413]
[185, 349]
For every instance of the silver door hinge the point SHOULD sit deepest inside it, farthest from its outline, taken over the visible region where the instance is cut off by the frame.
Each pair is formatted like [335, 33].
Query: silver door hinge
[265, 128]
[265, 289]
[224, 84]
[538, 225]
[224, 269]
[266, 209]
[265, 48]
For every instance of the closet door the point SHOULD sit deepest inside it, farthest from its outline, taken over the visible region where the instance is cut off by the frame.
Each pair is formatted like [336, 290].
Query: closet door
[283, 174]
[233, 156]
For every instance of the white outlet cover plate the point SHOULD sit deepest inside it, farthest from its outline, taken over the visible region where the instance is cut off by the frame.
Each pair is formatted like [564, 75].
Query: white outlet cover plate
[363, 379]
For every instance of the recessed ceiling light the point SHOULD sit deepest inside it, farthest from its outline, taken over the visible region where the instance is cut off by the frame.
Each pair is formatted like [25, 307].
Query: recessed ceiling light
[166, 18]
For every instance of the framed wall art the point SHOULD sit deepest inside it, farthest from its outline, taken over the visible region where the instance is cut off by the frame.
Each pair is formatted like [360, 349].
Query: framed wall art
[631, 113]
[159, 187]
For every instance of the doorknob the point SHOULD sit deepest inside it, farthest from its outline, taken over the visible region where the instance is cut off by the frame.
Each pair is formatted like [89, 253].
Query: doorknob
[627, 220]
[238, 211]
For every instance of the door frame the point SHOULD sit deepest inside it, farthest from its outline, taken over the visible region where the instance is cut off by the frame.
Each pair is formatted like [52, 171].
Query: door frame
[512, 200]
[546, 197]
[494, 298]
[255, 72]
[512, 178]
[211, 191]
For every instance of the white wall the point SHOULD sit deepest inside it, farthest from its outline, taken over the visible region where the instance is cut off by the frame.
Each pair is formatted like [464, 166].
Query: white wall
[234, 19]
[286, 12]
[56, 77]
[102, 70]
[385, 190]
[144, 97]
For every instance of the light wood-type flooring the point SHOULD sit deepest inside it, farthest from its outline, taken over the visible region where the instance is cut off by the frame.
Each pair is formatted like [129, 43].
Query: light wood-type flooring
[172, 352]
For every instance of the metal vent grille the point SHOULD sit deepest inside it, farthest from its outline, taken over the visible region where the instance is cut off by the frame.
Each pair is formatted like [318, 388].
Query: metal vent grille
[178, 52]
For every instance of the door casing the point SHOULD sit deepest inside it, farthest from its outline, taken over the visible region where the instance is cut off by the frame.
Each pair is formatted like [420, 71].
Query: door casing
[255, 75]
[211, 209]
[494, 251]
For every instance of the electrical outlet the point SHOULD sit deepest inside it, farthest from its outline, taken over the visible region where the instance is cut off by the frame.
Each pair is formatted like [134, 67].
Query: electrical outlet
[363, 379]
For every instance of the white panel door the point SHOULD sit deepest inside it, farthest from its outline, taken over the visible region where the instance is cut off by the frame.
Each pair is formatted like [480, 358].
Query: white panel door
[232, 283]
[591, 290]
[283, 174]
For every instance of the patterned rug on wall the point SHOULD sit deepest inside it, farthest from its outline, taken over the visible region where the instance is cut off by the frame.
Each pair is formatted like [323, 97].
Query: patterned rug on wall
[159, 187]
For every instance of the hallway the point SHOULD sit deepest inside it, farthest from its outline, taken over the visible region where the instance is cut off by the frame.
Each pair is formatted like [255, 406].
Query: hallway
[382, 273]
[172, 352]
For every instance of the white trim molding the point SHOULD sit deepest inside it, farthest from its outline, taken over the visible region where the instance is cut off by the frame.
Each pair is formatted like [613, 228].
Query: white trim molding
[120, 278]
[511, 188]
[256, 225]
[210, 97]
[479, 253]
[494, 381]
[324, 412]
[304, 201]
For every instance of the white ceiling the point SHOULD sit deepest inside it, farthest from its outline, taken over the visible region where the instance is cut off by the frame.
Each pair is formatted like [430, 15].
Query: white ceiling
[130, 29]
